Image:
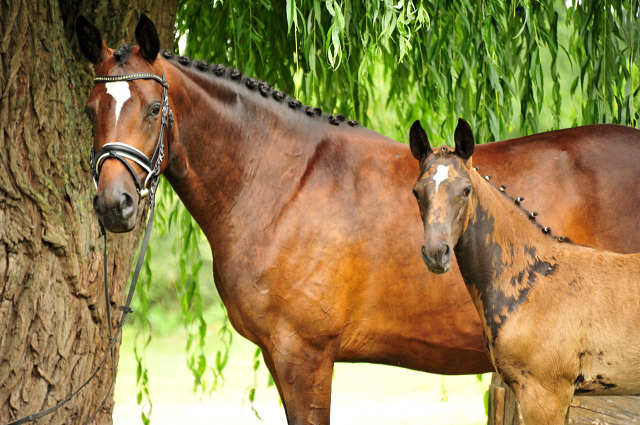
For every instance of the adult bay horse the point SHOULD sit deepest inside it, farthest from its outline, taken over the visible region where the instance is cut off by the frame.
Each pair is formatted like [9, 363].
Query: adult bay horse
[559, 319]
[311, 221]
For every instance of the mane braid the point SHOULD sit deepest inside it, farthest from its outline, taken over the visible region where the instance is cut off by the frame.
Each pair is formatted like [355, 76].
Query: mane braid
[252, 84]
[531, 215]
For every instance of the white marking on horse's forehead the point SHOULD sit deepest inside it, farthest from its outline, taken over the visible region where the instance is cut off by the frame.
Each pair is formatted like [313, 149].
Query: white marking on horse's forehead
[119, 90]
[442, 173]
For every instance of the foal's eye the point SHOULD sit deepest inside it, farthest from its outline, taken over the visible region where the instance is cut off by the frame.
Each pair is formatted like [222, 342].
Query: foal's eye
[415, 193]
[467, 191]
[155, 109]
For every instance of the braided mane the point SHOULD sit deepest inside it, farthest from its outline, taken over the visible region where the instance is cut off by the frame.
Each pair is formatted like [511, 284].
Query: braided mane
[252, 84]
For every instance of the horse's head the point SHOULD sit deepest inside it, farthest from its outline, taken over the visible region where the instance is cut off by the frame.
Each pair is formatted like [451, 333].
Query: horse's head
[127, 108]
[443, 191]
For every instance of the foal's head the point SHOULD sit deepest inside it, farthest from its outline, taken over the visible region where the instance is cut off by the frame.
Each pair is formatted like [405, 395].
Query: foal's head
[443, 191]
[126, 112]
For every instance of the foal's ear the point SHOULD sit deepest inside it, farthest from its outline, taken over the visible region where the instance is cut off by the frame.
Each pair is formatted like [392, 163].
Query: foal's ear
[90, 40]
[464, 140]
[419, 142]
[147, 39]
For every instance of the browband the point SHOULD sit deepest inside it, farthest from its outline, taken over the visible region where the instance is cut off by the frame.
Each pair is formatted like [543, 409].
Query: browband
[129, 77]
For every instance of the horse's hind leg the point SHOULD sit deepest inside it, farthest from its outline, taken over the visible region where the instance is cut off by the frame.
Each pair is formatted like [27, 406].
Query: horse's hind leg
[303, 374]
[540, 406]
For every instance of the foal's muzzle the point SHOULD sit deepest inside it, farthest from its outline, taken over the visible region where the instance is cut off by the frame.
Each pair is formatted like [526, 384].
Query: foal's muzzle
[437, 256]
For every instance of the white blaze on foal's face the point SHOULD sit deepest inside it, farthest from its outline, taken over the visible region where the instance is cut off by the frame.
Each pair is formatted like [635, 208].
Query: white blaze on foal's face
[442, 173]
[120, 92]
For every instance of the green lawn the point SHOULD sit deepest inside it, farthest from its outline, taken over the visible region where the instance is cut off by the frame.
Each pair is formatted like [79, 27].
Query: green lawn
[362, 393]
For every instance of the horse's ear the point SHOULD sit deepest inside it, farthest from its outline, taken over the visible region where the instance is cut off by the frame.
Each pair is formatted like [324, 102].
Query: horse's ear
[90, 40]
[147, 39]
[419, 142]
[464, 140]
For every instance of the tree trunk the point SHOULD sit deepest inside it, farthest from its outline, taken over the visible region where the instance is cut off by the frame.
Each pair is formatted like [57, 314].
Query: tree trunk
[52, 307]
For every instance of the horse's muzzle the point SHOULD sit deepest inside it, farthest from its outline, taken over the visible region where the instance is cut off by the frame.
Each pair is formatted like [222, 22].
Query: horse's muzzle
[117, 209]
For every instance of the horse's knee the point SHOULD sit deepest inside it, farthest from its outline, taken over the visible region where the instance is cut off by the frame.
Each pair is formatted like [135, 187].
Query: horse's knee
[541, 406]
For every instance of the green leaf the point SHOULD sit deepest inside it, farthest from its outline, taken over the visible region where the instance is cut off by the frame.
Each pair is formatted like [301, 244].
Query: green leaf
[290, 7]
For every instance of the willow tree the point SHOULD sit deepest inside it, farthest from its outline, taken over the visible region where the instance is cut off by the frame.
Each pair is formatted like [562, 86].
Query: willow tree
[52, 304]
[388, 62]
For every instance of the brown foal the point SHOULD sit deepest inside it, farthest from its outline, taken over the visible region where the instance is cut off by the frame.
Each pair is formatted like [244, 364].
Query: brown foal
[559, 319]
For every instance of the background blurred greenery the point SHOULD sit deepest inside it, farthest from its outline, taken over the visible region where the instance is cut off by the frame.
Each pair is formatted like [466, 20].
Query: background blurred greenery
[510, 68]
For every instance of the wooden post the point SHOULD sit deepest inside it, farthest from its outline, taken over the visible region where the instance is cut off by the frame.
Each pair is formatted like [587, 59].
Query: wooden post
[503, 406]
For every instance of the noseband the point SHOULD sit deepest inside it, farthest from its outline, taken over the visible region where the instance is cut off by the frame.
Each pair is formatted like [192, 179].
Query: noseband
[122, 152]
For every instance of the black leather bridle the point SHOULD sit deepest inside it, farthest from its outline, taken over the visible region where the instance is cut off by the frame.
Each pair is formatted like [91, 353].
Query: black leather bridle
[122, 152]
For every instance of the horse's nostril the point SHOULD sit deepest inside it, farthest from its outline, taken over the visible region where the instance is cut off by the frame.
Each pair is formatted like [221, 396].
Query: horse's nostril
[445, 250]
[127, 205]
[96, 205]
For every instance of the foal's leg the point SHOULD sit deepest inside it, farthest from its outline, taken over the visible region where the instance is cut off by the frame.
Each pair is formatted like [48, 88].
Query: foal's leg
[541, 406]
[303, 373]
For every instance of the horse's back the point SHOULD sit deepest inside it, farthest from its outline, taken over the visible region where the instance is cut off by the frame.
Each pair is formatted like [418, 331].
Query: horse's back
[582, 181]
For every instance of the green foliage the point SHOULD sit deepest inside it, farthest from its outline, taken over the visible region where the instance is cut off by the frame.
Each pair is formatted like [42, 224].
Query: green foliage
[388, 63]
[509, 67]
[250, 392]
[486, 402]
[604, 46]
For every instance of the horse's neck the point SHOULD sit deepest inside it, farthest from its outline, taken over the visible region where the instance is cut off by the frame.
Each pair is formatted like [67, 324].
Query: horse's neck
[500, 247]
[237, 154]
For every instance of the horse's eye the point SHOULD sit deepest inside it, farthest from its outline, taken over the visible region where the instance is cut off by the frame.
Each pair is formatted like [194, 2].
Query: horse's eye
[155, 109]
[87, 113]
[467, 191]
[415, 193]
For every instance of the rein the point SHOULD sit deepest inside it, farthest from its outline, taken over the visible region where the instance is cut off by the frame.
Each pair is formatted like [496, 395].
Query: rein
[122, 152]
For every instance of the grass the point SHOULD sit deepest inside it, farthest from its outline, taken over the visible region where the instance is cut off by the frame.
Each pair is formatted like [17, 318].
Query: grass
[362, 393]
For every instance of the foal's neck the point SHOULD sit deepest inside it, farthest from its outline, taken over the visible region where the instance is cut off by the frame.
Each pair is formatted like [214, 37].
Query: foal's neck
[501, 252]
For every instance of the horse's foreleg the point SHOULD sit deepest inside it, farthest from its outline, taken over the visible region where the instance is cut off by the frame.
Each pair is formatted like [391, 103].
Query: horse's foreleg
[302, 373]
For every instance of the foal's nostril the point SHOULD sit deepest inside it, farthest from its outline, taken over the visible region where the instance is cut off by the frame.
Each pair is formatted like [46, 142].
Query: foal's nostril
[444, 251]
[127, 206]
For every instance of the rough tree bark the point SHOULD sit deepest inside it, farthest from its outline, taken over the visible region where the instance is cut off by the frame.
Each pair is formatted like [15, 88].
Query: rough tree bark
[52, 307]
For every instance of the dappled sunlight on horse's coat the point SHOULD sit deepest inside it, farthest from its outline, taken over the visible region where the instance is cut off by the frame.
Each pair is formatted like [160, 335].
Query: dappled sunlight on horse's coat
[559, 319]
[311, 221]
